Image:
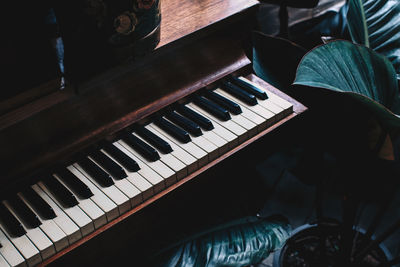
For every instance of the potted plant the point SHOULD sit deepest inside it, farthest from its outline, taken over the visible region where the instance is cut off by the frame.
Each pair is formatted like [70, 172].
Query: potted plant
[363, 87]
[353, 93]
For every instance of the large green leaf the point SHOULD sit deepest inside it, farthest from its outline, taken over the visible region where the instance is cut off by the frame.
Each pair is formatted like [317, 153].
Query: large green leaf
[275, 59]
[238, 243]
[376, 24]
[357, 71]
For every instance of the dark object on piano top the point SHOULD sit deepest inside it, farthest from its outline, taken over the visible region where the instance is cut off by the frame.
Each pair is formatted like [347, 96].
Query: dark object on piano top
[38, 204]
[98, 34]
[10, 223]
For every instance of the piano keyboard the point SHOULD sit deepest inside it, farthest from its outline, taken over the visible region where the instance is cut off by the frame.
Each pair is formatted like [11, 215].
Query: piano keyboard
[76, 200]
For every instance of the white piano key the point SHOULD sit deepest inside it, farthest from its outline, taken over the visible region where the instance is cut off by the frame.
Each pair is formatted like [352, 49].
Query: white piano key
[102, 201]
[80, 218]
[223, 133]
[125, 187]
[176, 165]
[178, 152]
[51, 229]
[62, 220]
[37, 237]
[142, 184]
[42, 242]
[272, 103]
[271, 106]
[204, 144]
[3, 262]
[190, 147]
[158, 166]
[222, 144]
[10, 253]
[283, 103]
[250, 126]
[136, 179]
[261, 122]
[229, 125]
[97, 216]
[145, 171]
[259, 110]
[25, 247]
[120, 199]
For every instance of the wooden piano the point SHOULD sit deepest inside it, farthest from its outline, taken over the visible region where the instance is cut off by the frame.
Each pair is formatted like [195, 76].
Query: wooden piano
[63, 140]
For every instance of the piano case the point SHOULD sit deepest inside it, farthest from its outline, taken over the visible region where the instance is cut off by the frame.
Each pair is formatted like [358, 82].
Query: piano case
[201, 43]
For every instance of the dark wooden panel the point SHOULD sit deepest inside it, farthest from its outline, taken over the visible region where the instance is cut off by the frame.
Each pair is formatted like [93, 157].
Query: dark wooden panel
[180, 18]
[118, 98]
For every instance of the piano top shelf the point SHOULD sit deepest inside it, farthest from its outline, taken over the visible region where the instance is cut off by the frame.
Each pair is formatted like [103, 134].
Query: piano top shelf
[180, 19]
[184, 17]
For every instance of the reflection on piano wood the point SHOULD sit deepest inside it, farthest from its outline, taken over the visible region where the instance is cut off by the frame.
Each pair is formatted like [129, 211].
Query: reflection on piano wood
[79, 170]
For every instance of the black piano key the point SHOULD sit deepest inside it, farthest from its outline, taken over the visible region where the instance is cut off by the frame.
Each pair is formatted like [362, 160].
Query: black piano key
[239, 93]
[38, 204]
[10, 223]
[153, 139]
[185, 123]
[249, 88]
[97, 173]
[61, 193]
[122, 158]
[24, 212]
[223, 102]
[141, 147]
[173, 130]
[74, 183]
[109, 165]
[213, 108]
[196, 117]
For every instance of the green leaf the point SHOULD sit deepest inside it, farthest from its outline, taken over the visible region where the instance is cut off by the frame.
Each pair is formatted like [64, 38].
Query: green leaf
[238, 243]
[357, 71]
[376, 24]
[275, 59]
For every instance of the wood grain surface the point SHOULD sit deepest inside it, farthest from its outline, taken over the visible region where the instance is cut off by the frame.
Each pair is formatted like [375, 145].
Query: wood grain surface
[41, 134]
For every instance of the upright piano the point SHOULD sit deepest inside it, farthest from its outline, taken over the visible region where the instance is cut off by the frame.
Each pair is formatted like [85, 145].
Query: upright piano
[88, 171]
